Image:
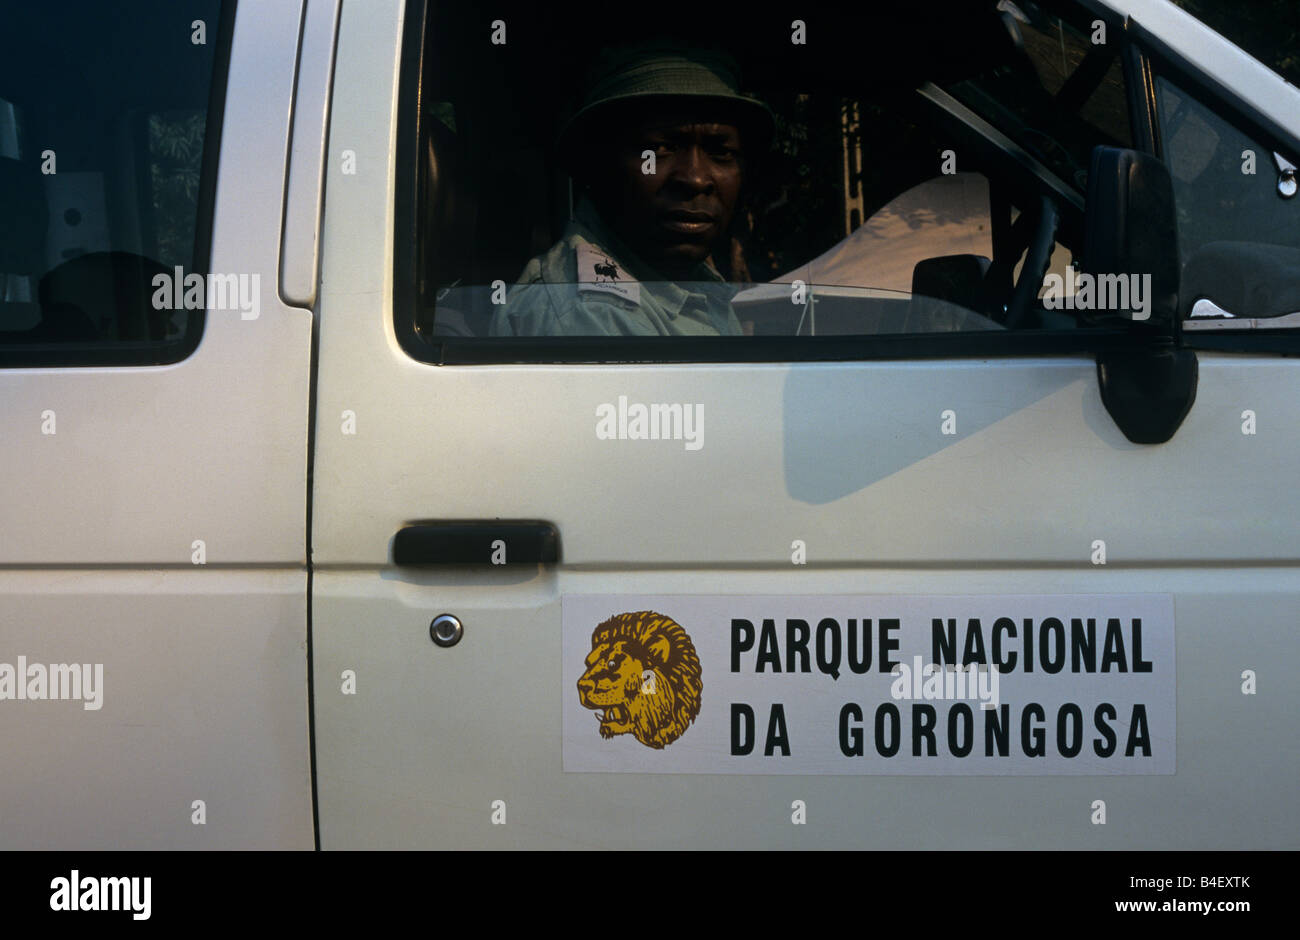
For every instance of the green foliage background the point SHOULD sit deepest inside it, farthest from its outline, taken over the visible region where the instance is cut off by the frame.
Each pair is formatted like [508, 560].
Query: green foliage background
[175, 158]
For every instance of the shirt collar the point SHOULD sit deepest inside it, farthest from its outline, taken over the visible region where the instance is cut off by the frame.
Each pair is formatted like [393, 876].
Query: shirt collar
[704, 279]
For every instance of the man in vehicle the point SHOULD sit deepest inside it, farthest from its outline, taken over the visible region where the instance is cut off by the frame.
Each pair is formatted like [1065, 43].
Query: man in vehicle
[638, 256]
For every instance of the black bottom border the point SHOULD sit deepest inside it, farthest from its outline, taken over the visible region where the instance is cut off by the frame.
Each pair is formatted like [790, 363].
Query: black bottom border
[869, 888]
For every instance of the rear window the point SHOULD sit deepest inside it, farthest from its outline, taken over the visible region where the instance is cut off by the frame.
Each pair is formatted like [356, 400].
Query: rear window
[107, 161]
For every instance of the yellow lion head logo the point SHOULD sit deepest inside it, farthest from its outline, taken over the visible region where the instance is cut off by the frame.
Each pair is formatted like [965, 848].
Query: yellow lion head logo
[642, 677]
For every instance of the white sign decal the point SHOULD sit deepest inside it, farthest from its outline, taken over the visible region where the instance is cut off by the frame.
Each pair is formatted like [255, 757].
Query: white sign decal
[836, 684]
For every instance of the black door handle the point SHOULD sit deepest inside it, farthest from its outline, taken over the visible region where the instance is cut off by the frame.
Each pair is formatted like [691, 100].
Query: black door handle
[477, 543]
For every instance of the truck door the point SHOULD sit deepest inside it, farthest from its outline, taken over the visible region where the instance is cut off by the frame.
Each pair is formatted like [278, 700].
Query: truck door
[600, 592]
[153, 579]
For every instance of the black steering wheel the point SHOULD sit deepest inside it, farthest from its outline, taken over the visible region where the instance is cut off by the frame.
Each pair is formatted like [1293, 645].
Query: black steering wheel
[1044, 222]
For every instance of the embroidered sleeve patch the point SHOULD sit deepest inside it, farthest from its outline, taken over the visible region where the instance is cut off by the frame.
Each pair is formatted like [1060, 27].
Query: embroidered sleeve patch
[597, 271]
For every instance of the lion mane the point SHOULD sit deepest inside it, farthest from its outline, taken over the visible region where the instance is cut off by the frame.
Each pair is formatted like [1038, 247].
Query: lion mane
[643, 678]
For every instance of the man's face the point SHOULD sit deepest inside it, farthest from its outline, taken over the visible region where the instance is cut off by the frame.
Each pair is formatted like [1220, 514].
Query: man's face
[674, 217]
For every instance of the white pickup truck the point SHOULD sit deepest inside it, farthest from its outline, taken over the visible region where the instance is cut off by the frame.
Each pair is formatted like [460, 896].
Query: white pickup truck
[980, 532]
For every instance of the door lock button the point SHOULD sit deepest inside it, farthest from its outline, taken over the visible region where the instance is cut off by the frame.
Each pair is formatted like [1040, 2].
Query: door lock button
[446, 630]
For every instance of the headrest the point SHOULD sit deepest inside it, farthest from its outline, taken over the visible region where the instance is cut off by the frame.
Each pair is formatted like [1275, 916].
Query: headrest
[24, 218]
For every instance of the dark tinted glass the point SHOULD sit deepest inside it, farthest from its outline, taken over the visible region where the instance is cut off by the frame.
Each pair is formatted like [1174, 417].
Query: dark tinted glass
[870, 208]
[104, 134]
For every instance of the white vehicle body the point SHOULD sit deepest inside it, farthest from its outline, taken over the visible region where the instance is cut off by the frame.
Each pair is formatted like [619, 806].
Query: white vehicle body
[289, 682]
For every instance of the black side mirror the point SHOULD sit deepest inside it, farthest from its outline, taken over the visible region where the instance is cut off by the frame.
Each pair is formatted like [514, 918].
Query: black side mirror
[1130, 268]
[1130, 263]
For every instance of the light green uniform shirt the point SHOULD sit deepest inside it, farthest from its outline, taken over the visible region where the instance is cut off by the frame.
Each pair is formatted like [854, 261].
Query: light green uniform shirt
[590, 284]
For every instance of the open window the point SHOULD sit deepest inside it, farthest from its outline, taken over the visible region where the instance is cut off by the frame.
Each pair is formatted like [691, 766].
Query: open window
[898, 195]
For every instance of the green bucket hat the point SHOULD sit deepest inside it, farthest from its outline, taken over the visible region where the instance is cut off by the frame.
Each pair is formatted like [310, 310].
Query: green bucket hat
[656, 71]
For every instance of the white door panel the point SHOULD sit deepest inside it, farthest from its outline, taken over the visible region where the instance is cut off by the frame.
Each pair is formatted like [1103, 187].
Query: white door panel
[203, 698]
[851, 459]
[852, 455]
[434, 736]
[147, 459]
[204, 665]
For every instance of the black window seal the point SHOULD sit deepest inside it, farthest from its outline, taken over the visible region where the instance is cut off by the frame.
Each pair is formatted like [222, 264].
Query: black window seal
[577, 350]
[61, 355]
[407, 184]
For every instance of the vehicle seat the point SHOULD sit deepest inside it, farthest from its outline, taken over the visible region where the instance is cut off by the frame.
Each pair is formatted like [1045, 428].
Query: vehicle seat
[103, 295]
[945, 291]
[486, 172]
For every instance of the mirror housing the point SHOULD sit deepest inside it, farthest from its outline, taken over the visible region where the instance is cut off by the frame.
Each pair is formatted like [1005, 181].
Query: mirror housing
[1130, 243]
[1130, 264]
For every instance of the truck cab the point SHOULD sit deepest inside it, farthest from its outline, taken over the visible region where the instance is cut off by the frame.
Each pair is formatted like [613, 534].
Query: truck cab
[303, 549]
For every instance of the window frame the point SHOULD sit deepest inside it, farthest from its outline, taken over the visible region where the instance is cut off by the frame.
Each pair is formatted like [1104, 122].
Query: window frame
[455, 350]
[151, 353]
